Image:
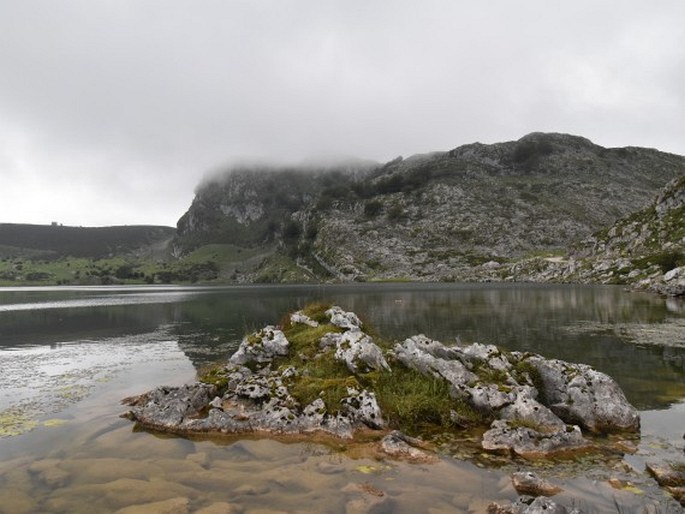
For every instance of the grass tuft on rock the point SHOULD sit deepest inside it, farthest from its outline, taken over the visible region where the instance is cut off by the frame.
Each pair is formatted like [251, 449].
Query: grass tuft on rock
[215, 375]
[410, 401]
[526, 373]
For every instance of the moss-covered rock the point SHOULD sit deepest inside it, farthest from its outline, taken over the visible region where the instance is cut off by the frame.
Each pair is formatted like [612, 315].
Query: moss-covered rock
[320, 372]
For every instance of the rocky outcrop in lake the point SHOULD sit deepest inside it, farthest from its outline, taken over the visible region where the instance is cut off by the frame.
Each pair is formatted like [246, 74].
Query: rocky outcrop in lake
[322, 372]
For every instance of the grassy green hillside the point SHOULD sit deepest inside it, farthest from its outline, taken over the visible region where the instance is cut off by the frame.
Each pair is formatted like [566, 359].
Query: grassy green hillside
[214, 263]
[53, 254]
[52, 241]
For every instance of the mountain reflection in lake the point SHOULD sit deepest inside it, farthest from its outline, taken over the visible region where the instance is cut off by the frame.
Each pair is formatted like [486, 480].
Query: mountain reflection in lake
[68, 355]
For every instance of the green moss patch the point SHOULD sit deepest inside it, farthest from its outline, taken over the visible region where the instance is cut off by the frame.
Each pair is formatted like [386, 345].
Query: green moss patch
[306, 389]
[414, 403]
[215, 375]
[409, 401]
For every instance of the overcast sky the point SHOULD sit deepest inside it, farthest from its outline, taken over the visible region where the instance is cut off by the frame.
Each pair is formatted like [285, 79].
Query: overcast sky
[112, 111]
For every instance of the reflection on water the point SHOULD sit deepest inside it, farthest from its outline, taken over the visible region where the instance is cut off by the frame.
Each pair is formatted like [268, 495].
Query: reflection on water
[578, 324]
[77, 352]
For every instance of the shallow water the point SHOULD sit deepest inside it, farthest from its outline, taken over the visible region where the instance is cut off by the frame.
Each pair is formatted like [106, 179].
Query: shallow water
[69, 355]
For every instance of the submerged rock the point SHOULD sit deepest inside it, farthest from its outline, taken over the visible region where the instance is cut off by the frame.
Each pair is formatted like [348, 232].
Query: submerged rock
[338, 377]
[529, 482]
[671, 477]
[533, 442]
[667, 474]
[400, 446]
[527, 505]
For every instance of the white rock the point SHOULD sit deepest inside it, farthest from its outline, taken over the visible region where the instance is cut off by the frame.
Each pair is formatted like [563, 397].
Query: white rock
[358, 351]
[674, 273]
[299, 317]
[343, 319]
[261, 347]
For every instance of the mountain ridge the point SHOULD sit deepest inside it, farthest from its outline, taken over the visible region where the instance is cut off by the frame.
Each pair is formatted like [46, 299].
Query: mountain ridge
[431, 216]
[547, 207]
[54, 241]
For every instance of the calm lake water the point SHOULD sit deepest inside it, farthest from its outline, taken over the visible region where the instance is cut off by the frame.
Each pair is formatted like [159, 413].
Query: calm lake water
[69, 355]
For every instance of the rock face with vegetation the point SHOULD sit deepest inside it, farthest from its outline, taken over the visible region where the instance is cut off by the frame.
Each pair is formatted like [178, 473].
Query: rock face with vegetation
[440, 216]
[322, 372]
[645, 249]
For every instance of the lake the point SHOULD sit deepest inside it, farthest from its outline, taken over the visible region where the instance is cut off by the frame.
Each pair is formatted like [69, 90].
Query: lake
[69, 355]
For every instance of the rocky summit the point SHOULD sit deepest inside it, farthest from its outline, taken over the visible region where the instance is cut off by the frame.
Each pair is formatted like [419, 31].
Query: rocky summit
[323, 372]
[450, 215]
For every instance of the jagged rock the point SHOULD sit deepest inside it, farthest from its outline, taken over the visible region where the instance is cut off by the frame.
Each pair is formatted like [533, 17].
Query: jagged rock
[259, 402]
[300, 317]
[167, 407]
[526, 407]
[343, 319]
[508, 400]
[598, 405]
[488, 353]
[261, 347]
[489, 398]
[363, 407]
[581, 395]
[358, 351]
[529, 482]
[433, 358]
[531, 443]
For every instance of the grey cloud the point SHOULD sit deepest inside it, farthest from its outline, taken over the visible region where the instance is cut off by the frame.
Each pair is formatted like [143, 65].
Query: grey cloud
[126, 105]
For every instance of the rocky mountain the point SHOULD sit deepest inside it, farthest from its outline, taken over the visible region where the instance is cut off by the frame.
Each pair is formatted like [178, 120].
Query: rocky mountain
[252, 205]
[438, 216]
[645, 249]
